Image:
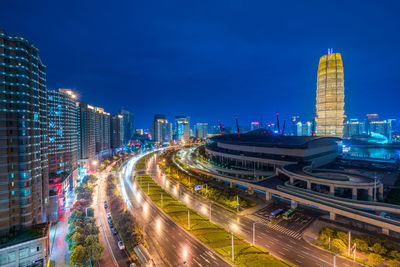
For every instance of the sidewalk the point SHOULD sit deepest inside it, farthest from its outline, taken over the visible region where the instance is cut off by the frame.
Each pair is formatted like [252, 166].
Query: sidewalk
[59, 253]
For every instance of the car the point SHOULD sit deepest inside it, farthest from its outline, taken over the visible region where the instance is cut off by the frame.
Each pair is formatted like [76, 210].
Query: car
[110, 222]
[108, 215]
[121, 245]
[114, 231]
[105, 202]
[132, 264]
[105, 205]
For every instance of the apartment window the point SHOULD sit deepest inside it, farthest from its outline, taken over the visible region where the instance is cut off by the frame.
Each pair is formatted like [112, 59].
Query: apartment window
[11, 256]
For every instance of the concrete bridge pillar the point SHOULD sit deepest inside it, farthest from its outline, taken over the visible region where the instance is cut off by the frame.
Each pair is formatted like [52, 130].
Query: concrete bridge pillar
[385, 231]
[332, 190]
[370, 194]
[291, 180]
[268, 195]
[380, 193]
[354, 194]
[309, 185]
[251, 190]
[293, 204]
[332, 216]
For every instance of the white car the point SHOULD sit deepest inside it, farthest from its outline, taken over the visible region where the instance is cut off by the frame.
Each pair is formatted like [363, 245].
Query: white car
[121, 245]
[108, 215]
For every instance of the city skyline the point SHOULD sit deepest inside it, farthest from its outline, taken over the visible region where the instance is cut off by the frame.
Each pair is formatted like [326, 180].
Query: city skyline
[223, 68]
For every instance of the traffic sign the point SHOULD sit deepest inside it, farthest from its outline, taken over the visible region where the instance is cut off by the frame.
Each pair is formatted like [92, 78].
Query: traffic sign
[197, 187]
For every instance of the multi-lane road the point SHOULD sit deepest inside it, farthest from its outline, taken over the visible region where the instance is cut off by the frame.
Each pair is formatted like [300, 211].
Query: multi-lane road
[274, 240]
[169, 244]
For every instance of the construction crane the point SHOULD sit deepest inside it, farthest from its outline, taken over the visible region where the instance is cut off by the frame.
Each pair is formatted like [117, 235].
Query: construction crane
[283, 128]
[277, 123]
[313, 127]
[221, 127]
[237, 124]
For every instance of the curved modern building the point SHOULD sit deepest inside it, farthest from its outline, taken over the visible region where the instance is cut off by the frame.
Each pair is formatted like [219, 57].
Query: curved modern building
[23, 135]
[330, 95]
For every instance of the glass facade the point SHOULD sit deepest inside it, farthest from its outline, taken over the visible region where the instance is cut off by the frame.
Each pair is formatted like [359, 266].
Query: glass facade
[330, 96]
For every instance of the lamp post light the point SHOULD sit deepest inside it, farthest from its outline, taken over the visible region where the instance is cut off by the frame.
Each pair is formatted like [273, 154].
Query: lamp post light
[233, 226]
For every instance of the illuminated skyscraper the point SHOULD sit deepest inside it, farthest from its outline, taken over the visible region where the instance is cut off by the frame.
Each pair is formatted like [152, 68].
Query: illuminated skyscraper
[330, 95]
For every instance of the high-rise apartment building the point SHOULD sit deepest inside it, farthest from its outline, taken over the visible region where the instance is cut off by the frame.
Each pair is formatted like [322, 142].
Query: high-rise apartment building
[23, 135]
[62, 132]
[330, 95]
[201, 130]
[182, 128]
[87, 128]
[102, 130]
[128, 121]
[117, 131]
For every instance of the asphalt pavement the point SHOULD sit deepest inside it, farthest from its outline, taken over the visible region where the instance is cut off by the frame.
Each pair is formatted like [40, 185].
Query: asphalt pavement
[169, 244]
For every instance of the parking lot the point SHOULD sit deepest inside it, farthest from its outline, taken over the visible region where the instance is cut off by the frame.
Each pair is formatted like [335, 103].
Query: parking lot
[294, 226]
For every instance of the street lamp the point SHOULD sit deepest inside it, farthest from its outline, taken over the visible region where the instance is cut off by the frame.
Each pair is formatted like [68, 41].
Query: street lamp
[254, 232]
[334, 259]
[233, 227]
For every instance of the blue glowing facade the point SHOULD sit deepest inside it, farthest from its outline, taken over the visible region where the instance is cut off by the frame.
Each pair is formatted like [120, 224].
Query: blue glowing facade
[23, 115]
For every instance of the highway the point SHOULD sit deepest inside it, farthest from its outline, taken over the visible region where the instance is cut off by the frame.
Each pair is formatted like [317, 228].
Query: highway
[169, 244]
[283, 246]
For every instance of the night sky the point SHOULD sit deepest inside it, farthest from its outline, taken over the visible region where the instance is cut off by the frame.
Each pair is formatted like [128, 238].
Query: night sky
[214, 59]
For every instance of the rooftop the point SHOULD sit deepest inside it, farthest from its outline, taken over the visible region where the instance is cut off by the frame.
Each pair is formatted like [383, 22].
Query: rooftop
[262, 137]
[24, 235]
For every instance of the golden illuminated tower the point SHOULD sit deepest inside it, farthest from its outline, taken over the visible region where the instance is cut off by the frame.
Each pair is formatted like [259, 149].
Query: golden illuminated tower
[330, 95]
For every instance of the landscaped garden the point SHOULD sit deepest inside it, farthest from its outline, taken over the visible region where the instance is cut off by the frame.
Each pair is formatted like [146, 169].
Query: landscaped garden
[83, 237]
[227, 198]
[372, 251]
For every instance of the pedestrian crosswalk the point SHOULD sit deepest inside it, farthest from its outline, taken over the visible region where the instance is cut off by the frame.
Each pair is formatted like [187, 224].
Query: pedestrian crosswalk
[284, 230]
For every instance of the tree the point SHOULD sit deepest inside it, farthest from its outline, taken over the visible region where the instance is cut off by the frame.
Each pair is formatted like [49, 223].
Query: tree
[373, 257]
[361, 245]
[79, 256]
[395, 254]
[339, 244]
[379, 249]
[343, 236]
[94, 248]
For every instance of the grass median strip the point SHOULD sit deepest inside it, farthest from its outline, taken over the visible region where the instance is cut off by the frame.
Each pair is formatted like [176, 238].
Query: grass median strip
[211, 234]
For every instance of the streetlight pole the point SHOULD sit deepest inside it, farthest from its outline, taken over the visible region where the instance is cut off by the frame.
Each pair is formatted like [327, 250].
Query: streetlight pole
[233, 249]
[349, 249]
[254, 233]
[189, 219]
[334, 259]
[237, 203]
[210, 210]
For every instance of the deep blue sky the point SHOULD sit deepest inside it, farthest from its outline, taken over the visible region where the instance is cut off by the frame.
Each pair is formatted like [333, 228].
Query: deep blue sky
[213, 59]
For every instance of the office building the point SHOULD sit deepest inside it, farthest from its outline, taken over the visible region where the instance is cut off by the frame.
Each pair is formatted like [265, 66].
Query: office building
[128, 121]
[182, 128]
[381, 128]
[139, 132]
[161, 129]
[353, 127]
[23, 116]
[87, 128]
[117, 131]
[330, 95]
[201, 130]
[293, 125]
[254, 125]
[304, 129]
